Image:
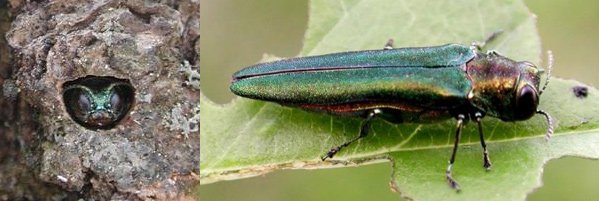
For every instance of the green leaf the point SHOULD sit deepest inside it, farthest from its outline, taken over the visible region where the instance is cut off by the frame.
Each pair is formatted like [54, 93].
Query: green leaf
[247, 137]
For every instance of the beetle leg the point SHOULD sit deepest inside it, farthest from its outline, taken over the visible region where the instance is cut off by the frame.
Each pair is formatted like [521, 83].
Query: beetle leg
[363, 133]
[480, 46]
[389, 44]
[460, 124]
[486, 161]
[493, 53]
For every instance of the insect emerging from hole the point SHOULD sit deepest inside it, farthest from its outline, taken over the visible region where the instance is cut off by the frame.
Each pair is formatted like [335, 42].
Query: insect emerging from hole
[98, 102]
[412, 85]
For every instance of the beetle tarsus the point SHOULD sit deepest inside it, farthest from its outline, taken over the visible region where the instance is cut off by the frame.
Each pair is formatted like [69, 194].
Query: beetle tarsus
[363, 133]
[460, 124]
[450, 181]
[389, 44]
[486, 159]
[331, 153]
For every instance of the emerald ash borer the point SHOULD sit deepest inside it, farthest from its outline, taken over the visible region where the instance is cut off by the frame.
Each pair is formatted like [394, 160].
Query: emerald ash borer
[415, 85]
[98, 102]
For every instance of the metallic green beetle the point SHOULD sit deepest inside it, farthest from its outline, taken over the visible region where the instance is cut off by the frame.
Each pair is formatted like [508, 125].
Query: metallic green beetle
[98, 102]
[418, 85]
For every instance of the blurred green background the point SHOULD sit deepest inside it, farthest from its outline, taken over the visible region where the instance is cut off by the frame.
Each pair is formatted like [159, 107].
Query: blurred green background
[235, 34]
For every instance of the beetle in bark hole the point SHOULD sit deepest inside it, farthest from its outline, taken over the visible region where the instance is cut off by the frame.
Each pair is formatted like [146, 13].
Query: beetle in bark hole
[98, 102]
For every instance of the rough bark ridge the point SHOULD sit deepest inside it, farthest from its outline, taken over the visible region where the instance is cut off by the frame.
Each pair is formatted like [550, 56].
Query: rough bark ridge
[153, 153]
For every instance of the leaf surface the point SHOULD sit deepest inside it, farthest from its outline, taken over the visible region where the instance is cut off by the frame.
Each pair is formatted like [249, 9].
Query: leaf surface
[248, 137]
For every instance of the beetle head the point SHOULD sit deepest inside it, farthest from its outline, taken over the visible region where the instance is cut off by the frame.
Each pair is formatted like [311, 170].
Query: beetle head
[526, 97]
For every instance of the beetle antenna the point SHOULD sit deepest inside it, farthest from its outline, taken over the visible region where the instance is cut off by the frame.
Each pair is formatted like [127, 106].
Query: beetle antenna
[550, 62]
[549, 122]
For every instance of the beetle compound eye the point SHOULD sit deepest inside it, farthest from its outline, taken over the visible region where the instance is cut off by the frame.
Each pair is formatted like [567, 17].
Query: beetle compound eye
[96, 102]
[526, 103]
[115, 100]
[121, 98]
[84, 102]
[78, 102]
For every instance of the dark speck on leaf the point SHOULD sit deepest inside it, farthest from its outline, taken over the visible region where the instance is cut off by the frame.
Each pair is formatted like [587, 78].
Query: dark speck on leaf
[580, 91]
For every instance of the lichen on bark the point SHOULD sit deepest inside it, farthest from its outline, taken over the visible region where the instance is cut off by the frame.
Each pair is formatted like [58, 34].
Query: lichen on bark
[144, 42]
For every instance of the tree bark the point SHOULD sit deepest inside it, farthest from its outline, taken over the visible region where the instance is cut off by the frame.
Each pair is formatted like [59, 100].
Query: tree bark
[153, 153]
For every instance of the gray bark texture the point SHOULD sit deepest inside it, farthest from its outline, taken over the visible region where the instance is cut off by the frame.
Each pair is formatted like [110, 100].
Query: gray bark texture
[153, 153]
